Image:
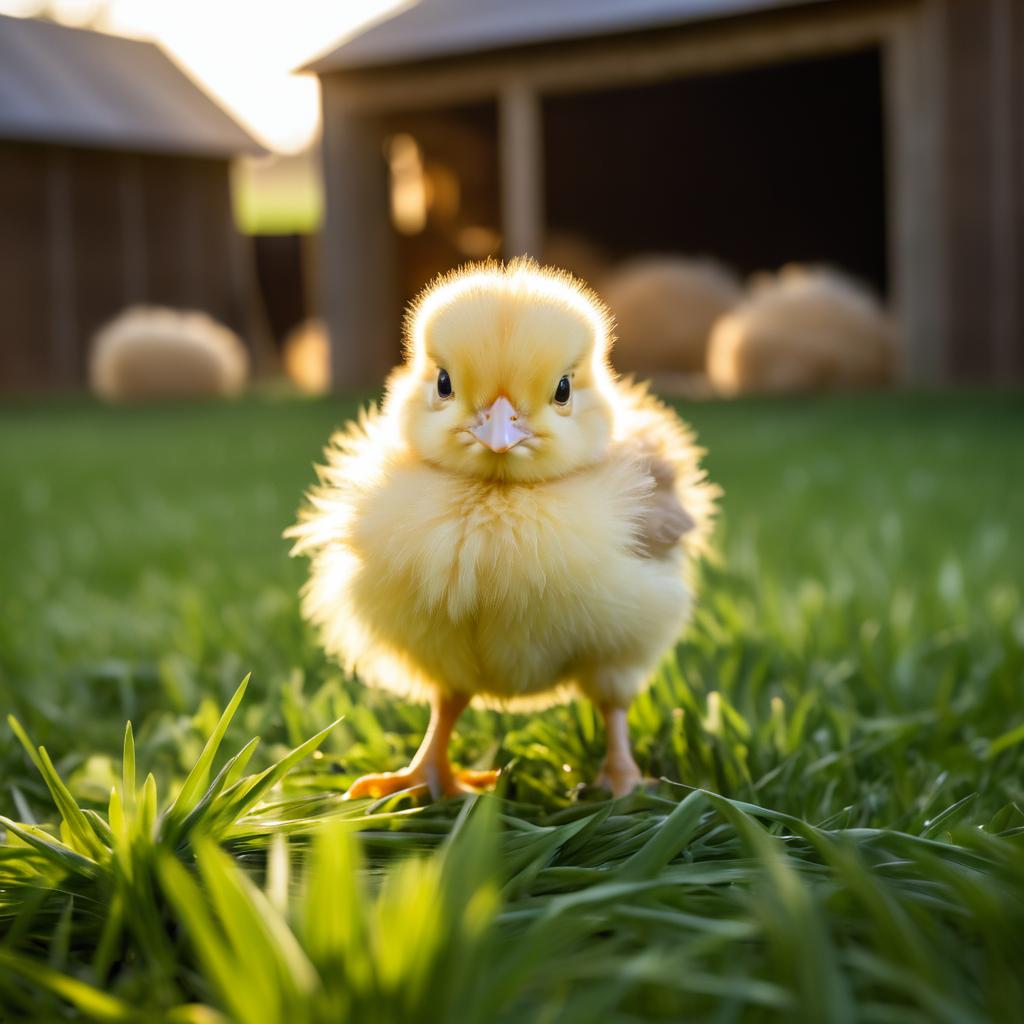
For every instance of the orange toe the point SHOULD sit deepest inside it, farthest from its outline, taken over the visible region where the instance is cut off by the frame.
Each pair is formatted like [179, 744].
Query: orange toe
[385, 784]
[444, 782]
[475, 779]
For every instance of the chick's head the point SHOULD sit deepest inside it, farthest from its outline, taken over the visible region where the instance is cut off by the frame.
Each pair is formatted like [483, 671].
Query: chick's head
[506, 374]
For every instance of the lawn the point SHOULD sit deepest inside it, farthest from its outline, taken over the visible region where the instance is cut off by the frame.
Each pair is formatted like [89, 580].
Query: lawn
[840, 836]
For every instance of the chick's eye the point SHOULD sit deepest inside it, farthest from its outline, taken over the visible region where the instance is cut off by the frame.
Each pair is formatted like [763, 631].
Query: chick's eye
[444, 384]
[563, 391]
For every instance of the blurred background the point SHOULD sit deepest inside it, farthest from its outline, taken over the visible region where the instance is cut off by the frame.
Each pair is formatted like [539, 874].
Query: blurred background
[772, 195]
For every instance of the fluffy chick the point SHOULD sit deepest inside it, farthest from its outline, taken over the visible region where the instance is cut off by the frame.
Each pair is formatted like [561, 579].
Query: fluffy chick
[514, 526]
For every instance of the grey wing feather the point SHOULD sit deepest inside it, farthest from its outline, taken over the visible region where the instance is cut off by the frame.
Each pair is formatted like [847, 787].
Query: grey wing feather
[665, 521]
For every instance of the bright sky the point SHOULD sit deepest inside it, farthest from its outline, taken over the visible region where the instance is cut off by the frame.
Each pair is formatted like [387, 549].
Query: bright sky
[243, 51]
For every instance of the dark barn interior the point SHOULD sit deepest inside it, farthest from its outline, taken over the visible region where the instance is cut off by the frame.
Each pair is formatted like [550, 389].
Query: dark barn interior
[757, 168]
[745, 167]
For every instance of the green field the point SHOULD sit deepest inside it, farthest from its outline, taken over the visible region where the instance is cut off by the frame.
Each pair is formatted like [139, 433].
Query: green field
[843, 725]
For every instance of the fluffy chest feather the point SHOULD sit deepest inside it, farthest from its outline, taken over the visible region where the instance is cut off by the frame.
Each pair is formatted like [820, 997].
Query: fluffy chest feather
[506, 589]
[474, 549]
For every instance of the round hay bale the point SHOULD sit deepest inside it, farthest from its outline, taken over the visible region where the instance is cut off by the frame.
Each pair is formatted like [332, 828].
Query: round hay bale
[151, 352]
[307, 357]
[664, 310]
[805, 329]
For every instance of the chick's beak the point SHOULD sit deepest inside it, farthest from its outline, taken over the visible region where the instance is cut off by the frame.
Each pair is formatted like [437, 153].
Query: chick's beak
[499, 426]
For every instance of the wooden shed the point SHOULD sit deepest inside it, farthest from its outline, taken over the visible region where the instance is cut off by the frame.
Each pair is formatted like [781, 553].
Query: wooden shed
[882, 136]
[114, 190]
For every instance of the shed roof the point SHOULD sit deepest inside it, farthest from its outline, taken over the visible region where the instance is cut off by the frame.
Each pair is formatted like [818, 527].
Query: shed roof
[76, 87]
[431, 29]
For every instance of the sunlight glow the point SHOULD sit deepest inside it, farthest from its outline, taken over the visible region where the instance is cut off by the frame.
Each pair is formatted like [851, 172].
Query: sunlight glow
[408, 185]
[243, 52]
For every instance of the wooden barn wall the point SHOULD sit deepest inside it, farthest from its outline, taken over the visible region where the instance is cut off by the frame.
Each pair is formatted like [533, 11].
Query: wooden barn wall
[984, 56]
[87, 233]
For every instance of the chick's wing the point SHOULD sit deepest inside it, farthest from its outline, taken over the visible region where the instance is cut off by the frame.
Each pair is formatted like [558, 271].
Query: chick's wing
[665, 521]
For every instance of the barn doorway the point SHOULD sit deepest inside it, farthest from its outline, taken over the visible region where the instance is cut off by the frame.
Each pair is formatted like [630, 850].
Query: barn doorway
[756, 168]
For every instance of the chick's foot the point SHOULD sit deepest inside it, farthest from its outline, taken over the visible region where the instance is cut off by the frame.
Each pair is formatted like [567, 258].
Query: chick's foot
[619, 772]
[415, 779]
[439, 783]
[621, 776]
[430, 769]
[475, 779]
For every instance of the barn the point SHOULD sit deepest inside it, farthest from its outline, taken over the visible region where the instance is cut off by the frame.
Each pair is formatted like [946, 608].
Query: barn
[882, 136]
[114, 189]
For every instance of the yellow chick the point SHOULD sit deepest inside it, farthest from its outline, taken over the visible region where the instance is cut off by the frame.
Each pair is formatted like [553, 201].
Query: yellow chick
[514, 526]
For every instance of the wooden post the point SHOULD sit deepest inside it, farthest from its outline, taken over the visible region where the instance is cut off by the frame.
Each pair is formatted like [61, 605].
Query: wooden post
[522, 170]
[915, 105]
[357, 262]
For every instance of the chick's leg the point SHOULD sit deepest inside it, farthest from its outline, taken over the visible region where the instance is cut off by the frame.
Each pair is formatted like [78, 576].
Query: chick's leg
[619, 772]
[430, 768]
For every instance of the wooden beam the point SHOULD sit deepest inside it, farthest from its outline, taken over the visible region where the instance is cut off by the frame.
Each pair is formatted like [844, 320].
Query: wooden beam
[358, 288]
[521, 155]
[618, 62]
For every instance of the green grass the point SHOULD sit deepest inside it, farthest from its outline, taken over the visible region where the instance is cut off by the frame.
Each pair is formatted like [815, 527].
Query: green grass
[842, 728]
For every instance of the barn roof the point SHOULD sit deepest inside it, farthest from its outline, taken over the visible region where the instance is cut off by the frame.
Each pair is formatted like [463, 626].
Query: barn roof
[431, 29]
[72, 86]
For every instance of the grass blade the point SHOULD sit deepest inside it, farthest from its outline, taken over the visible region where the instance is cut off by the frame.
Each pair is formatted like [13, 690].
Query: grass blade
[199, 776]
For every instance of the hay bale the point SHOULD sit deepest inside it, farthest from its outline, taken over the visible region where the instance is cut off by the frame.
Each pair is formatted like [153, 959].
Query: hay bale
[805, 329]
[151, 352]
[664, 310]
[307, 357]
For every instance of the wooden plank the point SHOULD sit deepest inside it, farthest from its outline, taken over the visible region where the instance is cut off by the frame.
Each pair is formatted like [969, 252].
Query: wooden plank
[195, 273]
[64, 341]
[216, 290]
[163, 203]
[24, 272]
[132, 219]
